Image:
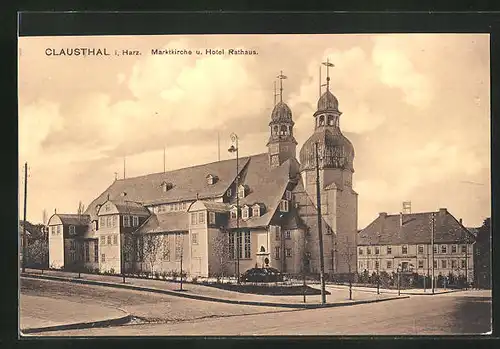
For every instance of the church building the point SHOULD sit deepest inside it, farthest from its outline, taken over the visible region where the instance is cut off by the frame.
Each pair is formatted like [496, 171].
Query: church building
[230, 215]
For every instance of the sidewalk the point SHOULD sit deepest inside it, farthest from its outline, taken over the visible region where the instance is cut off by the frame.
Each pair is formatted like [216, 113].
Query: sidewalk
[40, 314]
[412, 291]
[338, 297]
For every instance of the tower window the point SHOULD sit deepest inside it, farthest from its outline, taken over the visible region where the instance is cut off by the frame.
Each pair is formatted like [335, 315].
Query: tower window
[275, 130]
[284, 206]
[330, 121]
[321, 120]
[283, 130]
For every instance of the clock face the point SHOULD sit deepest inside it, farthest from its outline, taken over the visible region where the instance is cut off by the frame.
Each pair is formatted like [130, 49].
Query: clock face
[274, 148]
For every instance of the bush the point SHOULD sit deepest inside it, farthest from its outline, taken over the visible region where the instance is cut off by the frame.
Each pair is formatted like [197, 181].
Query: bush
[146, 274]
[194, 280]
[157, 275]
[112, 271]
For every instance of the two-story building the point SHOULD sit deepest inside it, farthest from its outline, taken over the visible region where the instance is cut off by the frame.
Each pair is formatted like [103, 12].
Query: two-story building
[404, 241]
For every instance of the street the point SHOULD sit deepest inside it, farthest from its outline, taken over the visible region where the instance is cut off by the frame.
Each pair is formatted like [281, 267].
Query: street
[466, 312]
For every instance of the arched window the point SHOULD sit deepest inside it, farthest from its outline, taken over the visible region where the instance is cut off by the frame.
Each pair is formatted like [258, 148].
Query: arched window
[330, 120]
[283, 130]
[262, 249]
[321, 120]
[275, 129]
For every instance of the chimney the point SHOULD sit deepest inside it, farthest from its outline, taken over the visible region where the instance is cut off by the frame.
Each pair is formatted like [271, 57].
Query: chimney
[442, 211]
[460, 220]
[55, 211]
[382, 214]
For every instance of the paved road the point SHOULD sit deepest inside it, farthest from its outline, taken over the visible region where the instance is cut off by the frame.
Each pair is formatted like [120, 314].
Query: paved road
[454, 313]
[151, 307]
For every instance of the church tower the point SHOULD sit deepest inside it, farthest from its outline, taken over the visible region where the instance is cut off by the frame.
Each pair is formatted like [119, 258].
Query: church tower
[339, 202]
[282, 144]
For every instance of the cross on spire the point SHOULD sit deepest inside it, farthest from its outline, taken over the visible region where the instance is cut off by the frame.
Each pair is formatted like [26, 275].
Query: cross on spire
[281, 77]
[328, 65]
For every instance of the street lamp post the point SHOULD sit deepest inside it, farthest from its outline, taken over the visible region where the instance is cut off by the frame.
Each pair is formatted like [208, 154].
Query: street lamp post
[234, 149]
[399, 279]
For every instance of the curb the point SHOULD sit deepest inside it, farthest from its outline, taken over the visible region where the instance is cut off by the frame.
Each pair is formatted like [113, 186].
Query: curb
[402, 292]
[207, 298]
[81, 325]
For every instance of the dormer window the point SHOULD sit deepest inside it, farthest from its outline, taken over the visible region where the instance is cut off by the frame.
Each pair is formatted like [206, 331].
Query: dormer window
[211, 179]
[72, 230]
[166, 186]
[242, 191]
[234, 212]
[288, 195]
[229, 193]
[245, 212]
[256, 211]
[284, 206]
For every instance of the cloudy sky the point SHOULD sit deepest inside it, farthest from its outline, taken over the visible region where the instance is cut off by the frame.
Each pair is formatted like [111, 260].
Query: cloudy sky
[416, 108]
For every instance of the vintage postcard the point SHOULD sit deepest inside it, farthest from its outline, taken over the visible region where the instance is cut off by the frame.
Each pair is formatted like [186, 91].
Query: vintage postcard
[240, 185]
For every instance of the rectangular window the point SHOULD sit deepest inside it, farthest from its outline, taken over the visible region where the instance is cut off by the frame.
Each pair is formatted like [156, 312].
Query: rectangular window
[72, 256]
[389, 250]
[194, 238]
[126, 221]
[58, 230]
[284, 206]
[377, 265]
[72, 230]
[247, 244]
[361, 266]
[443, 249]
[288, 195]
[103, 240]
[211, 218]
[462, 262]
[109, 239]
[239, 242]
[288, 234]
[87, 251]
[443, 263]
[115, 221]
[102, 222]
[201, 218]
[183, 205]
[194, 219]
[234, 213]
[404, 249]
[377, 250]
[368, 250]
[435, 249]
[72, 245]
[115, 239]
[231, 246]
[368, 265]
[140, 249]
[244, 213]
[277, 252]
[420, 264]
[135, 221]
[53, 230]
[435, 264]
[256, 211]
[454, 264]
[420, 249]
[166, 248]
[463, 248]
[126, 256]
[288, 252]
[96, 252]
[389, 264]
[109, 222]
[453, 248]
[277, 234]
[103, 258]
[360, 251]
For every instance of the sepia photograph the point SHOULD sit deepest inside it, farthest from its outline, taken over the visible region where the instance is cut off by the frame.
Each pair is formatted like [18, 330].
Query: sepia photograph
[254, 185]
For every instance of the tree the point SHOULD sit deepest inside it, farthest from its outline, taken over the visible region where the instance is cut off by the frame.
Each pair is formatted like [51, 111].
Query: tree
[152, 245]
[347, 253]
[38, 253]
[220, 249]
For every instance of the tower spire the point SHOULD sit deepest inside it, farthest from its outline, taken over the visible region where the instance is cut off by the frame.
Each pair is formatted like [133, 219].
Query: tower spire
[281, 77]
[328, 65]
[274, 92]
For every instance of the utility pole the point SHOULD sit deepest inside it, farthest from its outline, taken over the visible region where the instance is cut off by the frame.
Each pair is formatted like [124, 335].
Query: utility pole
[466, 261]
[235, 149]
[425, 277]
[304, 256]
[432, 247]
[25, 240]
[320, 233]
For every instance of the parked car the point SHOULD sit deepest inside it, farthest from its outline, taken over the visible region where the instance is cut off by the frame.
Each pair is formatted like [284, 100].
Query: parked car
[262, 275]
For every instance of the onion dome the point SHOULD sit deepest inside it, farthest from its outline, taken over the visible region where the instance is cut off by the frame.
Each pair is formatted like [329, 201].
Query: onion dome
[281, 113]
[334, 150]
[328, 102]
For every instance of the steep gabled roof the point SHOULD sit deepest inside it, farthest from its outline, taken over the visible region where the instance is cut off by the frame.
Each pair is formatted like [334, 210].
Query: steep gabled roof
[73, 219]
[187, 184]
[416, 229]
[128, 207]
[266, 186]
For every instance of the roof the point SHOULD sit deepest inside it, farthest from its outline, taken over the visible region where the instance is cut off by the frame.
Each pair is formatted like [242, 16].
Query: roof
[73, 219]
[187, 184]
[130, 207]
[266, 186]
[215, 206]
[165, 222]
[417, 228]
